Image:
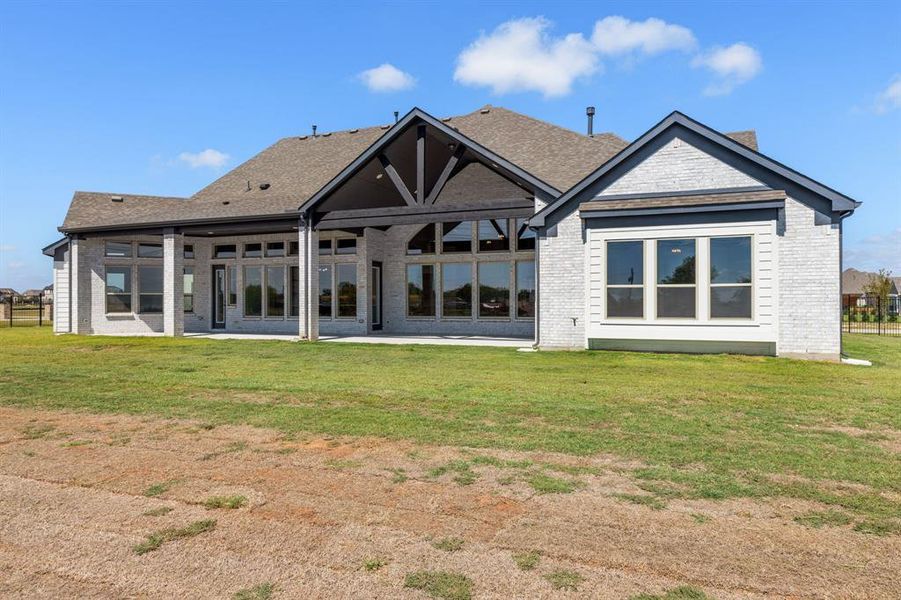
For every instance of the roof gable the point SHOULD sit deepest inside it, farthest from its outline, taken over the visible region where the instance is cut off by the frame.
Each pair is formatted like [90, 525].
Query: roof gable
[727, 150]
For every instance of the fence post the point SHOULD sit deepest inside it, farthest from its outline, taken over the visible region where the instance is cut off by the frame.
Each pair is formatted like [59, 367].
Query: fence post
[40, 311]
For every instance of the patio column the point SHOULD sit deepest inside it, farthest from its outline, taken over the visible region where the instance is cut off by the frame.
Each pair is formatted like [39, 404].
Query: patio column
[80, 300]
[173, 283]
[308, 280]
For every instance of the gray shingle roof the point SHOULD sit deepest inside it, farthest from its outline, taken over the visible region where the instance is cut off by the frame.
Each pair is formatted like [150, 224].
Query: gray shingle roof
[297, 167]
[684, 200]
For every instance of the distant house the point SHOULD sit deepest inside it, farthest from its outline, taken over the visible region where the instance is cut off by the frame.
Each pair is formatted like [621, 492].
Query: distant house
[32, 295]
[48, 293]
[7, 293]
[854, 282]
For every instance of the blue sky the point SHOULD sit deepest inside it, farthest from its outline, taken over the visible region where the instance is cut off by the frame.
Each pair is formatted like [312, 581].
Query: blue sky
[126, 97]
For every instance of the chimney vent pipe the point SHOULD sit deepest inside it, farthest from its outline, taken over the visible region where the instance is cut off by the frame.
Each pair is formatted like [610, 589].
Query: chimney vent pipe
[590, 112]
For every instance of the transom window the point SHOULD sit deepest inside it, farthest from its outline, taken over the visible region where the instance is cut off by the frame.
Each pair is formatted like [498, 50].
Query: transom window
[225, 251]
[493, 235]
[118, 249]
[525, 237]
[346, 246]
[456, 237]
[731, 285]
[625, 279]
[150, 250]
[423, 242]
[275, 249]
[676, 283]
[253, 250]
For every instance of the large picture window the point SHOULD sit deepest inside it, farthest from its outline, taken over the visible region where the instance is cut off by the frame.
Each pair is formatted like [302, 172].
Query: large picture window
[525, 237]
[346, 282]
[676, 279]
[423, 242]
[118, 289]
[456, 237]
[294, 280]
[325, 291]
[494, 235]
[253, 292]
[731, 285]
[494, 289]
[525, 289]
[150, 289]
[456, 290]
[625, 279]
[275, 291]
[189, 289]
[421, 290]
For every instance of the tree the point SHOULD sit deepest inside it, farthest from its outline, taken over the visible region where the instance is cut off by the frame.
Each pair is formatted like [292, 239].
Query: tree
[880, 286]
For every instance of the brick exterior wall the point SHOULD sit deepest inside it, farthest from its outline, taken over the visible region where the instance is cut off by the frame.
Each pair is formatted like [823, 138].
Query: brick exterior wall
[809, 285]
[561, 285]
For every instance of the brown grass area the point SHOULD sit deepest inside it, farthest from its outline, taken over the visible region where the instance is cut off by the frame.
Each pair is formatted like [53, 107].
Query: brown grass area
[71, 515]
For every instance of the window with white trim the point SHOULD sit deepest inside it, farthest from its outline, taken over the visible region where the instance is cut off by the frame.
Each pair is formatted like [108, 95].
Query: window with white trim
[676, 279]
[731, 278]
[625, 279]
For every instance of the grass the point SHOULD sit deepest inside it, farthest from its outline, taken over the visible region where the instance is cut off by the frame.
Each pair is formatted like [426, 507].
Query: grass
[708, 427]
[374, 564]
[649, 501]
[158, 512]
[527, 561]
[231, 502]
[158, 489]
[450, 544]
[828, 518]
[440, 584]
[685, 592]
[343, 463]
[262, 591]
[547, 484]
[564, 580]
[398, 475]
[157, 539]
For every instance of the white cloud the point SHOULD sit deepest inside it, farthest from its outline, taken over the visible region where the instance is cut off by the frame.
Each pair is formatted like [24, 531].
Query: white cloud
[890, 98]
[879, 251]
[618, 35]
[387, 78]
[521, 56]
[207, 158]
[733, 66]
[15, 265]
[7, 248]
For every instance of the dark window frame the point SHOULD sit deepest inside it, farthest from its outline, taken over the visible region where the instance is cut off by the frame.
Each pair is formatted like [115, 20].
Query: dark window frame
[129, 293]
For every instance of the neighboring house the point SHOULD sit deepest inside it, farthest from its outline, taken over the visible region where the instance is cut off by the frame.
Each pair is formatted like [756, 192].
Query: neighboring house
[47, 293]
[854, 284]
[32, 295]
[492, 223]
[7, 294]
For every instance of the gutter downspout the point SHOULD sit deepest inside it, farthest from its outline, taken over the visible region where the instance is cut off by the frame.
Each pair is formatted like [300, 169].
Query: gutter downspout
[535, 345]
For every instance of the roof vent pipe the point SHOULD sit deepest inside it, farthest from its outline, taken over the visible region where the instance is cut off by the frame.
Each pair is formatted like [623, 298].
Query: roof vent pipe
[590, 112]
[314, 131]
[396, 113]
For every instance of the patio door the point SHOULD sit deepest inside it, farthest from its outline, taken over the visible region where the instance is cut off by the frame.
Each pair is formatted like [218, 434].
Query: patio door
[217, 319]
[375, 304]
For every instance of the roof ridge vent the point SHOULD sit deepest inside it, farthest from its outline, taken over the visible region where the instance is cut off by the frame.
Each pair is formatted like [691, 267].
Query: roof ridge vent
[327, 134]
[446, 119]
[303, 137]
[485, 110]
[385, 126]
[117, 198]
[353, 131]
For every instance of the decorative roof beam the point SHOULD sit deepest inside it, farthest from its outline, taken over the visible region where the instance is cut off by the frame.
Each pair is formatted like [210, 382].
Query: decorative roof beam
[445, 174]
[396, 179]
[420, 164]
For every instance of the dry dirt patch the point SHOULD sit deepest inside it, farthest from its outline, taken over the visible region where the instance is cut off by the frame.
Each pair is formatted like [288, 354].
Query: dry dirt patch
[318, 510]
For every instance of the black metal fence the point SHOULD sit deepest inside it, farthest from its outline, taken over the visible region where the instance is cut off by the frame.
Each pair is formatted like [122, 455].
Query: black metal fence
[25, 312]
[870, 314]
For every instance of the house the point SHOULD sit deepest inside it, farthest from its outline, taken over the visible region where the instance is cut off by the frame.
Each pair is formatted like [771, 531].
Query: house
[491, 223]
[7, 294]
[854, 293]
[32, 295]
[47, 294]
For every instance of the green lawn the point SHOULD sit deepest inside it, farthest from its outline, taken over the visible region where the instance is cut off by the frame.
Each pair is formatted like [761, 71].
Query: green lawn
[707, 426]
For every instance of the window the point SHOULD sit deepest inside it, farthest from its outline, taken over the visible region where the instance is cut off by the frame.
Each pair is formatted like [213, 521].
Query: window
[456, 237]
[456, 290]
[423, 242]
[150, 250]
[421, 290]
[275, 249]
[275, 291]
[325, 247]
[525, 289]
[118, 249]
[293, 248]
[150, 289]
[189, 251]
[232, 294]
[325, 291]
[346, 246]
[118, 289]
[731, 288]
[253, 292]
[494, 235]
[625, 279]
[225, 251]
[294, 281]
[346, 282]
[676, 288]
[494, 289]
[525, 237]
[189, 289]
[253, 250]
